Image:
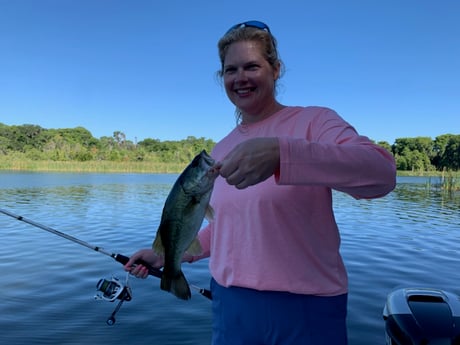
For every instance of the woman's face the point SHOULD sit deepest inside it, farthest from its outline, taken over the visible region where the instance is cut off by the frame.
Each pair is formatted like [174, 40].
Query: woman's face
[249, 80]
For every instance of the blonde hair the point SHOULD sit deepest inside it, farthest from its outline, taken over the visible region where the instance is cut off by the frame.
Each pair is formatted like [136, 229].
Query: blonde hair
[267, 42]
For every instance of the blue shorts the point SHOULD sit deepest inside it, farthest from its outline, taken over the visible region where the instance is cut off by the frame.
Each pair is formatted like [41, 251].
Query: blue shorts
[245, 316]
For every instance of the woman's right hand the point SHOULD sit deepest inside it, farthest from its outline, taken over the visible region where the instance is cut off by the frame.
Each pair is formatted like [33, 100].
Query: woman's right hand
[146, 255]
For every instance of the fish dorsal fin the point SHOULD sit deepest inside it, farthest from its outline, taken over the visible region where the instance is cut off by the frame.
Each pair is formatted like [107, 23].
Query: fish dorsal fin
[195, 248]
[209, 213]
[157, 245]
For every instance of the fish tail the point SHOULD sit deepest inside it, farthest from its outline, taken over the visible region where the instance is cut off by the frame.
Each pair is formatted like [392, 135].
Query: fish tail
[177, 285]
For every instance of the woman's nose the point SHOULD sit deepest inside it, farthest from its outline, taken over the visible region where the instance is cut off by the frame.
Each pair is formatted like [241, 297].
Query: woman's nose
[240, 75]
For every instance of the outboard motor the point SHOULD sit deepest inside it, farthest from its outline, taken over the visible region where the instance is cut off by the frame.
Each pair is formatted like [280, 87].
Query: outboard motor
[422, 316]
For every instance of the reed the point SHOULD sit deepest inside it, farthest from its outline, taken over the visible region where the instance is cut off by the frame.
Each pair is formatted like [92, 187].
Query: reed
[450, 181]
[447, 181]
[90, 166]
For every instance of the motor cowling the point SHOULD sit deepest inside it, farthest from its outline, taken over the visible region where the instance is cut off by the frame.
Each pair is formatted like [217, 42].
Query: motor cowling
[422, 316]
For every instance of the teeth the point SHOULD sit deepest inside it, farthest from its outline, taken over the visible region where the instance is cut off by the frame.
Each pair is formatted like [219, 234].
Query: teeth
[243, 91]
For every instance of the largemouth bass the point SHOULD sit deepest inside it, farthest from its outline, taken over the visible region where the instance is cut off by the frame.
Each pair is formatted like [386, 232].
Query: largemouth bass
[183, 213]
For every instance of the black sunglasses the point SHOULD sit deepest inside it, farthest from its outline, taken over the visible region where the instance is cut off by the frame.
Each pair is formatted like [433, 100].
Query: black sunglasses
[251, 24]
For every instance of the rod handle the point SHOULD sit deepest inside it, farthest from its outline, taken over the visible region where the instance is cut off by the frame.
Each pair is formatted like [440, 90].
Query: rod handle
[156, 272]
[206, 293]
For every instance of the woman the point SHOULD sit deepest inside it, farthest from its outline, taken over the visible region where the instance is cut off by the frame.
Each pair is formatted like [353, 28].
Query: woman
[277, 274]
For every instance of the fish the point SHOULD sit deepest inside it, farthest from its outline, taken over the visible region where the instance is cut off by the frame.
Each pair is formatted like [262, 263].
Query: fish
[183, 213]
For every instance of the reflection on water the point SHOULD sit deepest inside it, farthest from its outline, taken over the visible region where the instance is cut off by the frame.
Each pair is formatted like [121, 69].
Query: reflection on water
[410, 237]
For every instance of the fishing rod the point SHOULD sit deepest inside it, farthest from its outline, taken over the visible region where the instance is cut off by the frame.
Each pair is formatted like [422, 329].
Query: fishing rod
[118, 257]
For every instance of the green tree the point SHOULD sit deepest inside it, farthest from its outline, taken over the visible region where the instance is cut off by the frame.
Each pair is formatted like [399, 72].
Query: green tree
[119, 138]
[417, 152]
[150, 145]
[23, 136]
[450, 158]
[4, 144]
[385, 145]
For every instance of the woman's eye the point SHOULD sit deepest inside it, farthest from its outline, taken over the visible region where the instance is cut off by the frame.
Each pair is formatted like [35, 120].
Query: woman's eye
[230, 70]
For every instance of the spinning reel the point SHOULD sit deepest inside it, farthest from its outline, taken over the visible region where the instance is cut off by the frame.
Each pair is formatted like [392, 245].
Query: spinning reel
[111, 290]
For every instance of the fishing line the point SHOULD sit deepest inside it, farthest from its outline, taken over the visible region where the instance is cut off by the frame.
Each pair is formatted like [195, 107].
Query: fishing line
[118, 257]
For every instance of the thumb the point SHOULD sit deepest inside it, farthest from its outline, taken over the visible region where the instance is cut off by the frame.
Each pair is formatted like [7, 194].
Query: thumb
[132, 260]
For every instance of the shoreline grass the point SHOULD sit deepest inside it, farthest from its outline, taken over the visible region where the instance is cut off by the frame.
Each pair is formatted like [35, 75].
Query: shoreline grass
[91, 167]
[448, 178]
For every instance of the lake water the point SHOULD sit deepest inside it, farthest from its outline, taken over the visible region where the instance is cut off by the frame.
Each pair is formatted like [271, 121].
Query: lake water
[410, 237]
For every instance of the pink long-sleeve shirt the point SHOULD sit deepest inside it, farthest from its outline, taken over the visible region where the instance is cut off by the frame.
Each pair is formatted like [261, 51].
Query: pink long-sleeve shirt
[281, 234]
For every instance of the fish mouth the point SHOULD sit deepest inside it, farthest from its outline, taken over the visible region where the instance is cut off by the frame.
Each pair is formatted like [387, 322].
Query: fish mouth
[207, 158]
[213, 171]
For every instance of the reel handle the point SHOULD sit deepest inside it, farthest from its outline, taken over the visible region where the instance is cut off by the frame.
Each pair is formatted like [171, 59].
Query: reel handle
[156, 272]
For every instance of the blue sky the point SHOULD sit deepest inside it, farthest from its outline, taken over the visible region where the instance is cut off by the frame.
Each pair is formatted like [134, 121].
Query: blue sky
[148, 68]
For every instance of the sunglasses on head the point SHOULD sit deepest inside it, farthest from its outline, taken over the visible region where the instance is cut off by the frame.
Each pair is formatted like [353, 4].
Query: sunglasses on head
[250, 24]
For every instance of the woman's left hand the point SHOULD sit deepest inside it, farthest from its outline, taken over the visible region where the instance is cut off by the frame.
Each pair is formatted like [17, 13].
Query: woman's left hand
[251, 162]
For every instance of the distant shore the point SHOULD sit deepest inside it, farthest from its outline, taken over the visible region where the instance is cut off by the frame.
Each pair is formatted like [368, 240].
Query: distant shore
[130, 167]
[447, 181]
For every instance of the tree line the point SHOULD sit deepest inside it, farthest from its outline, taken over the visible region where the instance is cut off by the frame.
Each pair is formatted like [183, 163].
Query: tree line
[33, 142]
[426, 154]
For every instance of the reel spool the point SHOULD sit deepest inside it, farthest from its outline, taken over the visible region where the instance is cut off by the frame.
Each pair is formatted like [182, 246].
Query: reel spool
[111, 290]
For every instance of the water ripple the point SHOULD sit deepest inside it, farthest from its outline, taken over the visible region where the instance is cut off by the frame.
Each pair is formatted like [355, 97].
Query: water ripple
[410, 237]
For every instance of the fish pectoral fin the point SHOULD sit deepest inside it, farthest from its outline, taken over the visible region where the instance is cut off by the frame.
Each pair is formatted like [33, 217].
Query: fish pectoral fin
[209, 214]
[195, 248]
[157, 245]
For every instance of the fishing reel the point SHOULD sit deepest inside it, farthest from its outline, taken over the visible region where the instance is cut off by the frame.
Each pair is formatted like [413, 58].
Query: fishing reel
[111, 290]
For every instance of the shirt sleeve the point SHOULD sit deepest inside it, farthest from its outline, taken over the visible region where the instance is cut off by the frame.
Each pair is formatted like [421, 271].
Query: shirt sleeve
[333, 154]
[204, 236]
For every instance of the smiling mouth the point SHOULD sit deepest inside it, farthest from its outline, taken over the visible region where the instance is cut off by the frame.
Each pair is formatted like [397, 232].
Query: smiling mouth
[245, 91]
